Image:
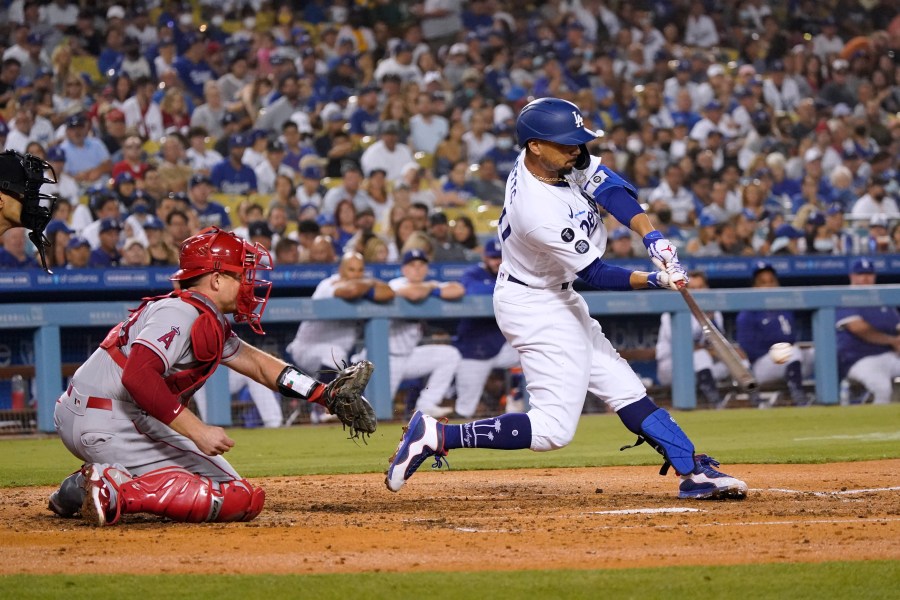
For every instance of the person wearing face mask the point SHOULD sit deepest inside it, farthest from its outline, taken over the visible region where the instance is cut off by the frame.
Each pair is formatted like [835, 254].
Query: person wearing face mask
[505, 152]
[876, 201]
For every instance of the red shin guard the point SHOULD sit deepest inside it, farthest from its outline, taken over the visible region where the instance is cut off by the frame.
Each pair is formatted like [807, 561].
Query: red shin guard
[189, 498]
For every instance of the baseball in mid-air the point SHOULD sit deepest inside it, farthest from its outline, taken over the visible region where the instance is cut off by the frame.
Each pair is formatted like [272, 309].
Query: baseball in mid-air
[781, 352]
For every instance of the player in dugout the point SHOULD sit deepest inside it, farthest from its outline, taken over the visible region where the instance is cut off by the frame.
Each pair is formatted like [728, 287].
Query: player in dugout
[551, 231]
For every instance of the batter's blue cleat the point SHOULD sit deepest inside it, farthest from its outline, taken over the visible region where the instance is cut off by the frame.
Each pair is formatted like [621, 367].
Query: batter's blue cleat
[705, 483]
[422, 438]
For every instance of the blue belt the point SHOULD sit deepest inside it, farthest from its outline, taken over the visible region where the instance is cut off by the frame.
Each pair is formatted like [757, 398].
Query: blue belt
[564, 286]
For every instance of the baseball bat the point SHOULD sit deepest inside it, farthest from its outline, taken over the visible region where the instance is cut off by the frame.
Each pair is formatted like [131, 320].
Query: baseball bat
[726, 352]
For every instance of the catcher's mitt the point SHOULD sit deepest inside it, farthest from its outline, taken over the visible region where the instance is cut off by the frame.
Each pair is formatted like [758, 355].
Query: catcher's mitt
[343, 398]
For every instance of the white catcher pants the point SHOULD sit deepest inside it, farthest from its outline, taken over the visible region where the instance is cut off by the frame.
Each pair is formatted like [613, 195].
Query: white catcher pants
[472, 375]
[564, 354]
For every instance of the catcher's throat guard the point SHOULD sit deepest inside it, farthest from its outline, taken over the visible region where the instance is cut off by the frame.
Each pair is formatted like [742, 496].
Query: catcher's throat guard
[21, 176]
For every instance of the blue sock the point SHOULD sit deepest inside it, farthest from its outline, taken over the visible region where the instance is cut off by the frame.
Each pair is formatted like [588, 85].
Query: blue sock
[511, 431]
[635, 413]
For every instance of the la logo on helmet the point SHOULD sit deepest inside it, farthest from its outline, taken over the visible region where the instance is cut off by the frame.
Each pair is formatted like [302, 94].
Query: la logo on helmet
[579, 121]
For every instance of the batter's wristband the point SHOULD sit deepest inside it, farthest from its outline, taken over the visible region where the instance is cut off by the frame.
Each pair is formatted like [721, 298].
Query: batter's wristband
[653, 236]
[436, 292]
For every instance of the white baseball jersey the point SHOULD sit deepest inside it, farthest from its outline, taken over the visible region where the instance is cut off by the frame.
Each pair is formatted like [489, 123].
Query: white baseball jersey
[319, 342]
[702, 358]
[548, 233]
[405, 335]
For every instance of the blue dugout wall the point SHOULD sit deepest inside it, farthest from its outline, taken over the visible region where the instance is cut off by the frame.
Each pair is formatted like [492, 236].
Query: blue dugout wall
[44, 323]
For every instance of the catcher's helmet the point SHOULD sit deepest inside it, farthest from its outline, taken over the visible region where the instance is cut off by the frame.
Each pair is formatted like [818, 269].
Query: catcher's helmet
[554, 120]
[215, 250]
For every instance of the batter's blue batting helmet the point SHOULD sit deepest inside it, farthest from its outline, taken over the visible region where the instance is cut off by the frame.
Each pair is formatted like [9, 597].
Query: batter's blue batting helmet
[554, 120]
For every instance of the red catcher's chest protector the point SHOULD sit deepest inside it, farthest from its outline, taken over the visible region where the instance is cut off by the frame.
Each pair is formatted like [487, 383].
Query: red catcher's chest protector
[208, 335]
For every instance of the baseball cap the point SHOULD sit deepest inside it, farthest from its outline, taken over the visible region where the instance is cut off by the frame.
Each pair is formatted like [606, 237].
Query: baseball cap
[411, 255]
[324, 219]
[34, 38]
[198, 178]
[311, 172]
[238, 140]
[788, 231]
[862, 265]
[708, 220]
[124, 177]
[339, 93]
[492, 248]
[257, 228]
[76, 241]
[815, 218]
[438, 218]
[275, 145]
[56, 154]
[230, 117]
[760, 266]
[714, 70]
[110, 223]
[841, 110]
[619, 233]
[115, 12]
[57, 225]
[153, 222]
[389, 127]
[458, 48]
[878, 220]
[76, 120]
[713, 105]
[812, 154]
[776, 65]
[834, 209]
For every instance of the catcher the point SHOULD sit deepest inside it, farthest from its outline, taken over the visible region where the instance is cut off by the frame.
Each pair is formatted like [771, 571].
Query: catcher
[124, 412]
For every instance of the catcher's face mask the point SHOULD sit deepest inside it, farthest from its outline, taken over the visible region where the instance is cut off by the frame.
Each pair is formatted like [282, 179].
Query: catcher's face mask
[215, 250]
[22, 176]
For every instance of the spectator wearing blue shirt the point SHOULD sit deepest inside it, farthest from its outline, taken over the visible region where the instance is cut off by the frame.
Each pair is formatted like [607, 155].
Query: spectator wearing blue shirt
[210, 213]
[107, 253]
[12, 253]
[110, 60]
[364, 120]
[868, 339]
[192, 69]
[456, 189]
[769, 337]
[479, 341]
[87, 159]
[231, 176]
[505, 152]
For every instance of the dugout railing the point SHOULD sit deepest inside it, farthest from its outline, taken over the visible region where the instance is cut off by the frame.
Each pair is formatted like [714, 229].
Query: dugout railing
[47, 320]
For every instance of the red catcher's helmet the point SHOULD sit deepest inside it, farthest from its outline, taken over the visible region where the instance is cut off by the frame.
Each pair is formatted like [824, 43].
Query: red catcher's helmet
[215, 250]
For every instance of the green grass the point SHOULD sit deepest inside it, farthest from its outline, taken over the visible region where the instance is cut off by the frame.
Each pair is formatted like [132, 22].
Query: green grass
[784, 435]
[857, 580]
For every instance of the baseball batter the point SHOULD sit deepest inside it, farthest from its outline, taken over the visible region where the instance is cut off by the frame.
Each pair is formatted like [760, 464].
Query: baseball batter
[21, 202]
[124, 411]
[868, 339]
[551, 231]
[769, 339]
[480, 341]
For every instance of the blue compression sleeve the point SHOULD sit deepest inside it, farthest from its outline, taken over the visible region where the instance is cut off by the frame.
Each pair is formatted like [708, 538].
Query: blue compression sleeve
[620, 204]
[606, 277]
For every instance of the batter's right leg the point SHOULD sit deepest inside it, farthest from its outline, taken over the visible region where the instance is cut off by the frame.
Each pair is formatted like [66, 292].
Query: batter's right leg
[170, 492]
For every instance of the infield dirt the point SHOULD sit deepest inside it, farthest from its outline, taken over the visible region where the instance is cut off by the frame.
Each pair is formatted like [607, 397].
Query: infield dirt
[485, 520]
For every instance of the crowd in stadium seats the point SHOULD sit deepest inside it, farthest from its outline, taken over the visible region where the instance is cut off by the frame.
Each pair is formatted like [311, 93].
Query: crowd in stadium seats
[748, 127]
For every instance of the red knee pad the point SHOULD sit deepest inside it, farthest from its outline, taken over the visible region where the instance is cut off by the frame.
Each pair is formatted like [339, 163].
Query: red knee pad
[240, 501]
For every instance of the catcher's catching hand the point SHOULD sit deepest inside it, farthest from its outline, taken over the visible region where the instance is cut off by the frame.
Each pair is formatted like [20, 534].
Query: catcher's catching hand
[343, 398]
